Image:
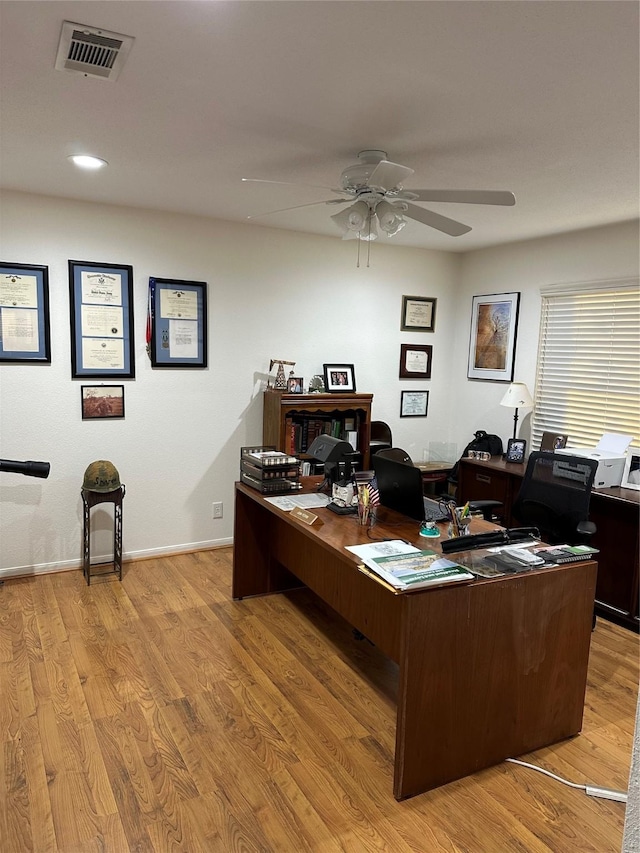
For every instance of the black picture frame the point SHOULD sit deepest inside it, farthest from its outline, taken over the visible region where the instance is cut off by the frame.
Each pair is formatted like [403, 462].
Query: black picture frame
[414, 404]
[516, 450]
[415, 361]
[24, 314]
[492, 341]
[418, 314]
[101, 308]
[178, 322]
[339, 378]
[101, 401]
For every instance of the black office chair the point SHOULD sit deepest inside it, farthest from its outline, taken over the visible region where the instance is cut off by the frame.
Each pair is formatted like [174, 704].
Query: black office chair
[554, 497]
[380, 438]
[396, 453]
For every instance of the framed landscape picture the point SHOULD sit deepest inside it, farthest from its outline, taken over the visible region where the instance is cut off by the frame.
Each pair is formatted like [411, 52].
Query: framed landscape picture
[102, 401]
[492, 343]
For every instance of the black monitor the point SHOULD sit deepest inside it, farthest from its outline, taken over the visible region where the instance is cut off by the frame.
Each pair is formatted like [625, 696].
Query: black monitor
[400, 486]
[333, 452]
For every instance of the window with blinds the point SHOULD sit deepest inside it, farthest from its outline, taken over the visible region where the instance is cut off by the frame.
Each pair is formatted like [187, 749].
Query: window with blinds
[588, 376]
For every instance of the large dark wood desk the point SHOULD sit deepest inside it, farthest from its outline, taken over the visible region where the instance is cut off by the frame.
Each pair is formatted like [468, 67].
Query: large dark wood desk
[487, 670]
[614, 511]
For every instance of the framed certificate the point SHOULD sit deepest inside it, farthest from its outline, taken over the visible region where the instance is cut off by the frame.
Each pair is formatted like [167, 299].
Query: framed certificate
[415, 361]
[418, 314]
[414, 404]
[24, 313]
[101, 300]
[177, 323]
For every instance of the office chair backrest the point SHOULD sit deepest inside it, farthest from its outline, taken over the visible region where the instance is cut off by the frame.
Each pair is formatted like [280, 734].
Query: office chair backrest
[395, 453]
[380, 431]
[555, 495]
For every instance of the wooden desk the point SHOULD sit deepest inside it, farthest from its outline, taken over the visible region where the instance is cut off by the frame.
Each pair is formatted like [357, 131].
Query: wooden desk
[615, 512]
[487, 670]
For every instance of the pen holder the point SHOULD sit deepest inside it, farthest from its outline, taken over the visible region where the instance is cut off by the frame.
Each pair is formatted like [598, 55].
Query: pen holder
[366, 510]
[459, 527]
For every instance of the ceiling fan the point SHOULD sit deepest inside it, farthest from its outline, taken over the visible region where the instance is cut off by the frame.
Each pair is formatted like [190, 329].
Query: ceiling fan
[378, 198]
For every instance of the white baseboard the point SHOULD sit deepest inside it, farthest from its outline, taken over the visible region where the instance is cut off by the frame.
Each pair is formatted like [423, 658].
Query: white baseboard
[144, 554]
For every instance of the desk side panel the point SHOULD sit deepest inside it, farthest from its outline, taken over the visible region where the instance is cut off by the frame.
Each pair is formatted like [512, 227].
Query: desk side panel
[490, 671]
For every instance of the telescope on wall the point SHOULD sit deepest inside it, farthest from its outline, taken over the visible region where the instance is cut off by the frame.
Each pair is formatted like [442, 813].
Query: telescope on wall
[29, 469]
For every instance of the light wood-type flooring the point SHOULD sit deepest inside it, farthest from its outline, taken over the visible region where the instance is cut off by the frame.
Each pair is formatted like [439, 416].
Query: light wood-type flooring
[157, 714]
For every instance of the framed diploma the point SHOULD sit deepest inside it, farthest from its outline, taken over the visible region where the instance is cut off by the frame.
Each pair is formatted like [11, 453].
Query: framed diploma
[415, 361]
[101, 300]
[418, 314]
[24, 313]
[413, 404]
[177, 323]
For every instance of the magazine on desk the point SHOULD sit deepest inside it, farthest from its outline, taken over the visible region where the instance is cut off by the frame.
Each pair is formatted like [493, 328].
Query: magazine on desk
[405, 567]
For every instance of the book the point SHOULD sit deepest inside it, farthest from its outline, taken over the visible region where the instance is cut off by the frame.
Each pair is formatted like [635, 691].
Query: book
[268, 457]
[566, 553]
[406, 568]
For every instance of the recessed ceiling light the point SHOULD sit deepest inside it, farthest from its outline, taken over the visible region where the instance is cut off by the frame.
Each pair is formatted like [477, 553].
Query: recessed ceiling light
[86, 161]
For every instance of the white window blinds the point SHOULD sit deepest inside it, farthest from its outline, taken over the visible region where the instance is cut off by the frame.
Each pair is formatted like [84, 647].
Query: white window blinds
[588, 376]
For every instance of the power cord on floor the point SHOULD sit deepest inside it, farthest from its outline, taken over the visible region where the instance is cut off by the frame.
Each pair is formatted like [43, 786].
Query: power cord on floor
[591, 790]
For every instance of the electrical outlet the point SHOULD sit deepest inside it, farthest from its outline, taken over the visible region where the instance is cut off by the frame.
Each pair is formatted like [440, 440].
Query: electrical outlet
[216, 509]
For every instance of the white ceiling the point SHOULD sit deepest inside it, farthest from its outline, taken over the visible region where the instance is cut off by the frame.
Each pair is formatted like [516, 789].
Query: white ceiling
[540, 98]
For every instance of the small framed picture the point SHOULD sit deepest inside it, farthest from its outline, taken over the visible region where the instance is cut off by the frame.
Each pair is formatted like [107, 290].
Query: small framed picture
[553, 441]
[415, 361]
[294, 385]
[631, 474]
[102, 401]
[339, 378]
[418, 314]
[516, 449]
[413, 404]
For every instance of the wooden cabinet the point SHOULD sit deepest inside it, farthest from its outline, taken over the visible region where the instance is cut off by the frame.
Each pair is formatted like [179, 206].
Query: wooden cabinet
[291, 421]
[614, 511]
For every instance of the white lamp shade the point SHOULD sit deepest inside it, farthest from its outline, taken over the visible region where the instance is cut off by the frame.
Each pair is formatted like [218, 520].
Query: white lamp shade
[517, 397]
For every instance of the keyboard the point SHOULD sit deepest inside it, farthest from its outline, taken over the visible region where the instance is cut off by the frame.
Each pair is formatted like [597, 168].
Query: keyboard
[432, 511]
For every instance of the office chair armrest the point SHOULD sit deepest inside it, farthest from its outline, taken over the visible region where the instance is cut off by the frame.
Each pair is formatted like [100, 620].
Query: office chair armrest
[586, 528]
[485, 507]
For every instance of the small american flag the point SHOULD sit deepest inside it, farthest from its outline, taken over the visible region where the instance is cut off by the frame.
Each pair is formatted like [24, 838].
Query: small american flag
[374, 494]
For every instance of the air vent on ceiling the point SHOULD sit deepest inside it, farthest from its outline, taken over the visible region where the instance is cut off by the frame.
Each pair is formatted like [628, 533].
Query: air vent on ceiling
[92, 52]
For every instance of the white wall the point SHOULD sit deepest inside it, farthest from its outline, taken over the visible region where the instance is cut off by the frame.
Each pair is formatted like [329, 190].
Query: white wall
[271, 294]
[594, 254]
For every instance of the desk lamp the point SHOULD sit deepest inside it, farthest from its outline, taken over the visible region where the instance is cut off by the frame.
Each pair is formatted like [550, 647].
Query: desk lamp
[517, 396]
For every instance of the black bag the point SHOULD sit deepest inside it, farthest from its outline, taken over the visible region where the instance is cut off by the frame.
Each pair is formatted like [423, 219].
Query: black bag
[483, 442]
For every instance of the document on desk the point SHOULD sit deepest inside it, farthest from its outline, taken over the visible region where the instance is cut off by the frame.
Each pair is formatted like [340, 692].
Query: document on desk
[406, 567]
[289, 502]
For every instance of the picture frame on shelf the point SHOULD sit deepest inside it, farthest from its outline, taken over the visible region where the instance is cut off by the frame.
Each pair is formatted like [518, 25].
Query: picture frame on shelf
[492, 341]
[24, 313]
[102, 401]
[339, 378]
[631, 473]
[418, 314]
[415, 361]
[294, 385]
[414, 404]
[178, 323]
[516, 450]
[101, 303]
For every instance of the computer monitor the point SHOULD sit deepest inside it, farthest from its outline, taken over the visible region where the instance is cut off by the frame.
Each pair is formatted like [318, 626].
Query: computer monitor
[400, 486]
[334, 453]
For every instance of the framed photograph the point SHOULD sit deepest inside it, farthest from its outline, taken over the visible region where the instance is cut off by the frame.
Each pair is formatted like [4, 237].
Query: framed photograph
[101, 300]
[415, 361]
[631, 474]
[339, 378]
[418, 314]
[414, 404]
[178, 323]
[24, 313]
[553, 441]
[102, 401]
[492, 344]
[516, 450]
[294, 385]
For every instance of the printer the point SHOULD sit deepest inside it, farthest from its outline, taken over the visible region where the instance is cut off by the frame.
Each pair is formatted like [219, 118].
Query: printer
[610, 453]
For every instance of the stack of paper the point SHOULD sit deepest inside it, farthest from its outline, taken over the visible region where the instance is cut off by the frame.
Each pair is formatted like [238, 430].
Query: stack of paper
[405, 567]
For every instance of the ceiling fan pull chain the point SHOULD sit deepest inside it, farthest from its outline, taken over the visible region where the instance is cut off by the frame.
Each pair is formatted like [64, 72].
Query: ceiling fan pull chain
[358, 241]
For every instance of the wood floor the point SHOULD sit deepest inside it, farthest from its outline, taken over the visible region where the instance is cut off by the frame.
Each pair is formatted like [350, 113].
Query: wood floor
[157, 714]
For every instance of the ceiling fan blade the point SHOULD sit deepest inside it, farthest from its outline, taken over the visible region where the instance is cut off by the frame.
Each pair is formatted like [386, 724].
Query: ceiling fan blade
[291, 184]
[463, 196]
[296, 206]
[388, 175]
[435, 220]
